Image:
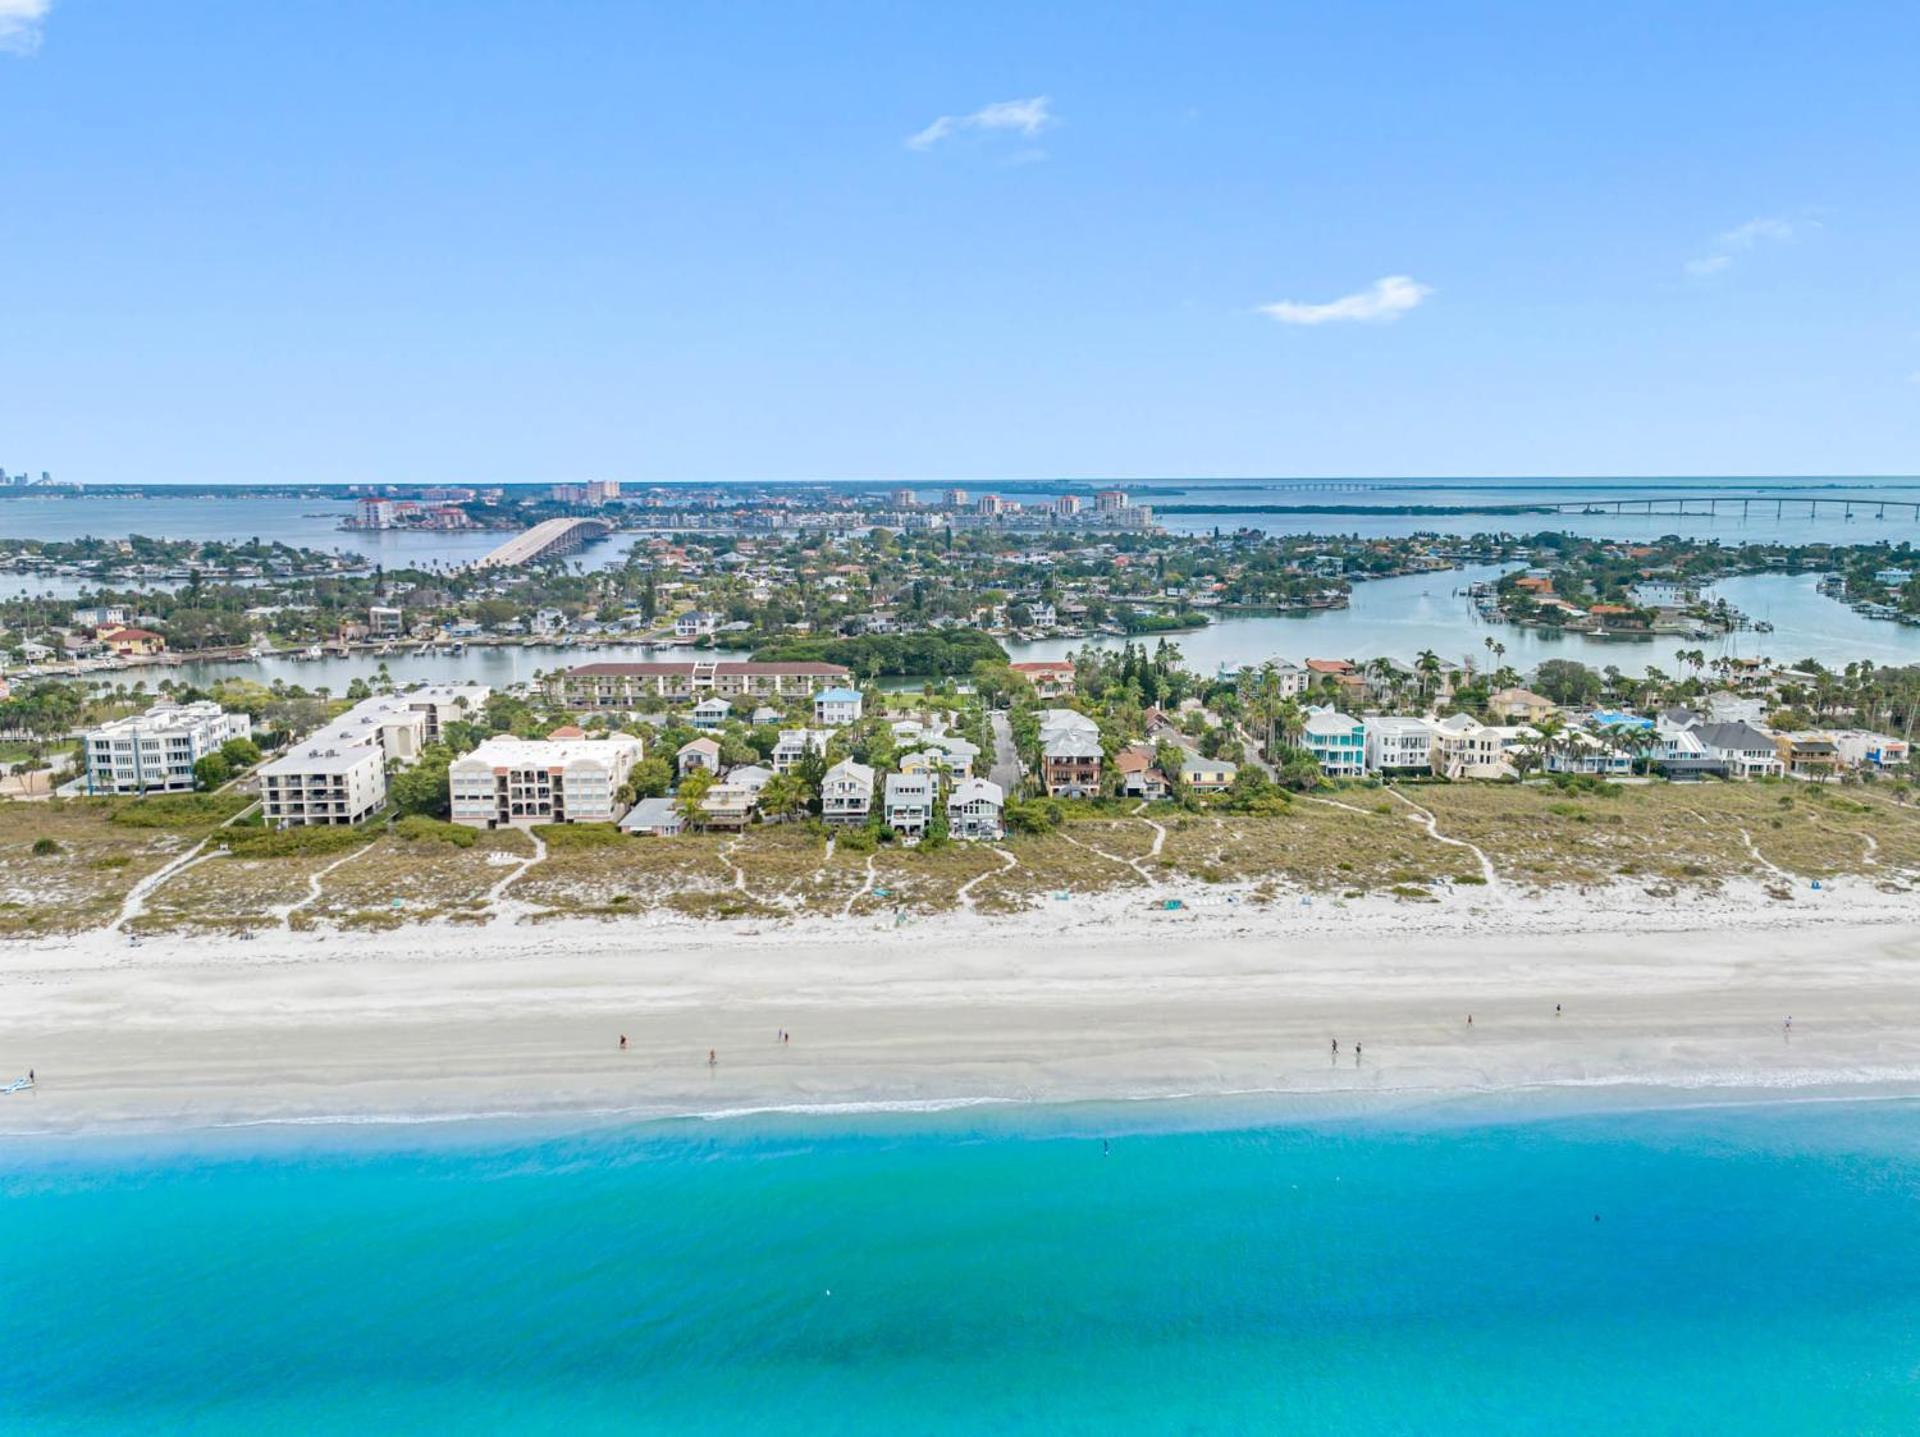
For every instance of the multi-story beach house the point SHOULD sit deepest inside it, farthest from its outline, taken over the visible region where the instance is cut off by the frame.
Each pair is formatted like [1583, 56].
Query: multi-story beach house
[1463, 747]
[751, 776]
[128, 643]
[1860, 749]
[620, 685]
[955, 755]
[517, 782]
[1399, 744]
[728, 805]
[697, 753]
[1206, 775]
[1139, 773]
[921, 760]
[711, 714]
[908, 802]
[1747, 752]
[974, 810]
[338, 774]
[1808, 755]
[1050, 677]
[155, 752]
[846, 793]
[1586, 753]
[795, 744]
[1672, 748]
[837, 707]
[1069, 754]
[1519, 705]
[1337, 742]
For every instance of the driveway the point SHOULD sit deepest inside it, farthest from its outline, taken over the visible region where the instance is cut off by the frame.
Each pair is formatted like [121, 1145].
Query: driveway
[1006, 761]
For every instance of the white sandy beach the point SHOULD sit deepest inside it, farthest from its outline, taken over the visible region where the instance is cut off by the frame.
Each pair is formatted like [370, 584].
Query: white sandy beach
[1087, 1001]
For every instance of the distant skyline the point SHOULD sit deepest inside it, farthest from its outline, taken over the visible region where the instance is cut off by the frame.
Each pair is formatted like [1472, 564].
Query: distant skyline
[348, 242]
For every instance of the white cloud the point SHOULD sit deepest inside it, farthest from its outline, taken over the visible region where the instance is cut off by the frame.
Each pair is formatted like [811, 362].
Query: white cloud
[1029, 117]
[1743, 238]
[1382, 302]
[20, 22]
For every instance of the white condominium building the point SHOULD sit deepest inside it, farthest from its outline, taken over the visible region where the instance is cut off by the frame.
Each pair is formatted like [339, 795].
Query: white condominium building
[338, 774]
[155, 752]
[518, 781]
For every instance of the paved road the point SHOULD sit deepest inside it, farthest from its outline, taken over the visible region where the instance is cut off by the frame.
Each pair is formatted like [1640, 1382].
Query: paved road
[1006, 761]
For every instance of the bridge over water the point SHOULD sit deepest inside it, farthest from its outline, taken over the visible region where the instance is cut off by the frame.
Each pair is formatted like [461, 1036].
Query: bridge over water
[549, 539]
[1735, 506]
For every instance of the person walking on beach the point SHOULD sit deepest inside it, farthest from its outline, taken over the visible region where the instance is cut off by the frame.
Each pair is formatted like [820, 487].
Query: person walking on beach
[1556, 1010]
[1356, 1055]
[1336, 1048]
[623, 1042]
[713, 1059]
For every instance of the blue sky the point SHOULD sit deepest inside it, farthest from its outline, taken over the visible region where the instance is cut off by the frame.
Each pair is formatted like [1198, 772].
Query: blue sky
[329, 240]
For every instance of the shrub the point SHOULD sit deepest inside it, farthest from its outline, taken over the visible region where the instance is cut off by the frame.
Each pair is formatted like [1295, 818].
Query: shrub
[45, 847]
[290, 842]
[417, 828]
[578, 835]
[177, 810]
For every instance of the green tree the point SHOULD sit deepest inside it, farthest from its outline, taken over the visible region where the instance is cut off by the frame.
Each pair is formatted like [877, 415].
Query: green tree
[784, 795]
[212, 771]
[651, 778]
[422, 789]
[693, 788]
[240, 752]
[1567, 682]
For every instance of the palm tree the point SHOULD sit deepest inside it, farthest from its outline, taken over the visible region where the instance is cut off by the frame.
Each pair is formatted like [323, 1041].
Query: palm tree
[1427, 662]
[1551, 736]
[1386, 678]
[784, 795]
[1292, 721]
[1264, 696]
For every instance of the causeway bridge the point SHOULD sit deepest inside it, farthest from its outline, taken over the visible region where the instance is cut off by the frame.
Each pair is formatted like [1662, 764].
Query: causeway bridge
[1740, 506]
[549, 539]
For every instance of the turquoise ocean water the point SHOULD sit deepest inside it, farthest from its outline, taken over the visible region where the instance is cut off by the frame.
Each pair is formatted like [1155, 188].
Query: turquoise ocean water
[1751, 1271]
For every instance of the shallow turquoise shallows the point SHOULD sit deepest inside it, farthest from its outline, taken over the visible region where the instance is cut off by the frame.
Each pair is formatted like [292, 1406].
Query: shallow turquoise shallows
[1750, 1271]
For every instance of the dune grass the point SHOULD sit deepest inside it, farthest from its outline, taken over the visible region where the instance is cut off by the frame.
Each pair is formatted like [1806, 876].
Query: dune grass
[67, 866]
